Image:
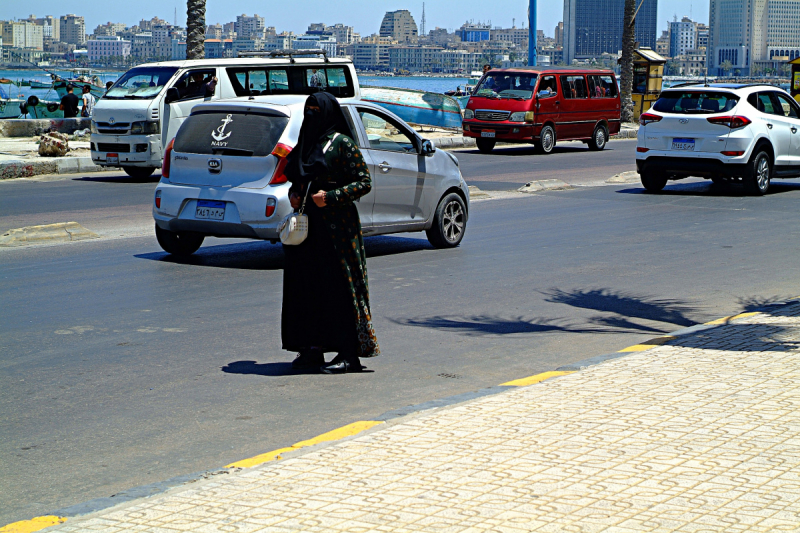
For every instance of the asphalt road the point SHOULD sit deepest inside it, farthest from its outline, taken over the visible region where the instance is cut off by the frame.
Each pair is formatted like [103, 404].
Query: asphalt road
[122, 367]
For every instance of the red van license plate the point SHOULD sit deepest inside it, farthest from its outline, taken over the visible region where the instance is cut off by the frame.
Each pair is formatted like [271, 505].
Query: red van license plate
[487, 133]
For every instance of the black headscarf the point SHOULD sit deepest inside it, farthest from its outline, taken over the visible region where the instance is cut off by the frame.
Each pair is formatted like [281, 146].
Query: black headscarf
[306, 160]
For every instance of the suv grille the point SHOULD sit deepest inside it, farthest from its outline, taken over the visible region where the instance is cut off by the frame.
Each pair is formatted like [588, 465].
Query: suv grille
[491, 115]
[111, 147]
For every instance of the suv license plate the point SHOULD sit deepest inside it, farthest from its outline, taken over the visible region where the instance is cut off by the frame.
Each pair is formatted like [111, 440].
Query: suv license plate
[683, 144]
[210, 210]
[487, 133]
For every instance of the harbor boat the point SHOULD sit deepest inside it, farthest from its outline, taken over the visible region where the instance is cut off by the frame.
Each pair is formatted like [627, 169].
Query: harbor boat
[9, 107]
[462, 94]
[416, 107]
[80, 77]
[36, 108]
[36, 84]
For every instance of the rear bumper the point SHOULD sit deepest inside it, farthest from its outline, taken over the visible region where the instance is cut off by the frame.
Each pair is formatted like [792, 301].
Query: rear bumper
[682, 167]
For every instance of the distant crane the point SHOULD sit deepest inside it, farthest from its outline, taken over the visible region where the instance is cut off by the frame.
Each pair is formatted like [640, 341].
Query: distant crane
[532, 33]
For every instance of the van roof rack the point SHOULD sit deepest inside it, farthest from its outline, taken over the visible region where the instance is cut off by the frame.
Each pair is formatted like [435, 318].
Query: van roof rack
[288, 53]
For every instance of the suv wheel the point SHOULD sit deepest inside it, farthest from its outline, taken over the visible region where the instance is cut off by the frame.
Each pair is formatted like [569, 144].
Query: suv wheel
[599, 138]
[485, 146]
[760, 173]
[178, 243]
[139, 172]
[653, 181]
[449, 222]
[547, 140]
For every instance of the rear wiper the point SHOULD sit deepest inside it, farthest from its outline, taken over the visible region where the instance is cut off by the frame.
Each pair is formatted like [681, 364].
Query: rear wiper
[232, 151]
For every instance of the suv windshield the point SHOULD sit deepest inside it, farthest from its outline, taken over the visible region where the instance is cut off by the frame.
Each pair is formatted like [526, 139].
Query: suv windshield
[230, 133]
[695, 102]
[506, 85]
[143, 82]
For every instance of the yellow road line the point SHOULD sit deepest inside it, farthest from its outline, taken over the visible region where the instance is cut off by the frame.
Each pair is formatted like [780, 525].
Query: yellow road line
[345, 431]
[530, 380]
[34, 524]
[726, 319]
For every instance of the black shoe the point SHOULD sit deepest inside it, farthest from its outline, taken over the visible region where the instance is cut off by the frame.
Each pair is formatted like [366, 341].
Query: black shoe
[342, 366]
[308, 359]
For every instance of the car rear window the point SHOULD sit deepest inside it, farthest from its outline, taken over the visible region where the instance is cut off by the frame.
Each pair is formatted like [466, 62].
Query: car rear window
[695, 102]
[224, 133]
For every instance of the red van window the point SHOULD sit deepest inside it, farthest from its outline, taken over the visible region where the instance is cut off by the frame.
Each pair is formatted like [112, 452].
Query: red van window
[573, 87]
[602, 87]
[547, 87]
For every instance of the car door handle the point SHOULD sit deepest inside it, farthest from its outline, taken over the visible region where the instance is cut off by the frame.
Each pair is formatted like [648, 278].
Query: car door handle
[769, 125]
[557, 102]
[385, 167]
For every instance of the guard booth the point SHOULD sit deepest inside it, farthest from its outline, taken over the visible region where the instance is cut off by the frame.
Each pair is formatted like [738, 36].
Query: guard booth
[648, 71]
[794, 79]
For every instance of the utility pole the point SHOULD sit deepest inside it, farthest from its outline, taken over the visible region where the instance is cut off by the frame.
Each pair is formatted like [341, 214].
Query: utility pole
[532, 33]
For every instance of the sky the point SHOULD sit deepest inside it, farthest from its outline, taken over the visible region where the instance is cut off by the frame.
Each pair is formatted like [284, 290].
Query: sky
[364, 15]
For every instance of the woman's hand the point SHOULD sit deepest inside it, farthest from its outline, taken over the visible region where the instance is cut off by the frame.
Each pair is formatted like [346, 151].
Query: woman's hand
[294, 199]
[319, 198]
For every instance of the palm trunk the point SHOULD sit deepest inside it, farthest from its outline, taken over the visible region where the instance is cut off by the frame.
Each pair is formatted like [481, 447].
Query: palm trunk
[626, 67]
[195, 29]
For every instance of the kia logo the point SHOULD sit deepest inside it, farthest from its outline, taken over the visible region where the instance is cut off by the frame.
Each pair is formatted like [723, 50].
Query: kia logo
[684, 121]
[214, 165]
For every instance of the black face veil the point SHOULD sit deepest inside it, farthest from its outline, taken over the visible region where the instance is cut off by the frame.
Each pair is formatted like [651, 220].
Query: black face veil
[306, 160]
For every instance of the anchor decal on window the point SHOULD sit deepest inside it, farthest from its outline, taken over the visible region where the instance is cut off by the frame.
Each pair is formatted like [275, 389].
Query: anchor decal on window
[219, 133]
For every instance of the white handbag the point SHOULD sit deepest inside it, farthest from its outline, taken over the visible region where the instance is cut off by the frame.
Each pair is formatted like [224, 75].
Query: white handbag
[294, 226]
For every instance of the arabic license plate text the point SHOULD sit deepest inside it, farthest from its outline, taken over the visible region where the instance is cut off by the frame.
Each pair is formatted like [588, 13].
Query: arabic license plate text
[683, 144]
[210, 209]
[487, 133]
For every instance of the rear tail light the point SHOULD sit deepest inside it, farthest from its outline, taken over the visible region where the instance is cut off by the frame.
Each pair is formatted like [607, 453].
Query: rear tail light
[158, 199]
[167, 157]
[271, 203]
[642, 149]
[647, 118]
[733, 153]
[281, 151]
[732, 121]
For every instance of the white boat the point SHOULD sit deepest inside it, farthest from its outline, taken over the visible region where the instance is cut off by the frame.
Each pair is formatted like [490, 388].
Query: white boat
[9, 107]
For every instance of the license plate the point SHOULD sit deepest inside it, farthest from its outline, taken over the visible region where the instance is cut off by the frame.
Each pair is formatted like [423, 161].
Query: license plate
[210, 209]
[487, 133]
[112, 159]
[683, 144]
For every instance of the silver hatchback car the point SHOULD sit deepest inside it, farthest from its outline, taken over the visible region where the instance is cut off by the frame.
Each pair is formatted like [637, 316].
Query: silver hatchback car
[223, 175]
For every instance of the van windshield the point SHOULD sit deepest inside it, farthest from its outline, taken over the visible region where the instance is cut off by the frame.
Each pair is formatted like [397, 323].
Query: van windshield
[141, 83]
[230, 133]
[507, 85]
[695, 102]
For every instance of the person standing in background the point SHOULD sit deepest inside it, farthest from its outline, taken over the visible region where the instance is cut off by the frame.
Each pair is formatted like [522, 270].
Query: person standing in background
[69, 104]
[88, 102]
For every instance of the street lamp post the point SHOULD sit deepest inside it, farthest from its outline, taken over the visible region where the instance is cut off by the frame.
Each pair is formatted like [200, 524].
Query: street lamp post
[532, 33]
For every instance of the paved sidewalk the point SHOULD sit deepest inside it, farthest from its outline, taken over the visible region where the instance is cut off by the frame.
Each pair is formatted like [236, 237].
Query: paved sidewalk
[697, 434]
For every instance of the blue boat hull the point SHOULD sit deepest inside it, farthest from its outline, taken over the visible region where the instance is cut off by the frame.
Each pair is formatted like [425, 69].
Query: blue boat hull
[416, 107]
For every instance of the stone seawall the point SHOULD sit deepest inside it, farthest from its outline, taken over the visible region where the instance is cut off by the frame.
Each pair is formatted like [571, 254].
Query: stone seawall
[31, 127]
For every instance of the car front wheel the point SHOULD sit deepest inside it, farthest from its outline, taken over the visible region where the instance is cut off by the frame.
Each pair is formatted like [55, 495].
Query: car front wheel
[449, 222]
[139, 172]
[485, 146]
[760, 173]
[547, 140]
[653, 181]
[178, 243]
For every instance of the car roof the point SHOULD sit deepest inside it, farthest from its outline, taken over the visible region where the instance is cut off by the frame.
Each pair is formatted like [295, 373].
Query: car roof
[721, 86]
[245, 61]
[539, 70]
[290, 103]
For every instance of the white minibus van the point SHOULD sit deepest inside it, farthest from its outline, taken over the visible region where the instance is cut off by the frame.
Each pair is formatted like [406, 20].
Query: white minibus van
[138, 116]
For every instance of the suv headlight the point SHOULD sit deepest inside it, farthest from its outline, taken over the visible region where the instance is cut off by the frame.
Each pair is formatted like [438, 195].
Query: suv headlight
[469, 113]
[145, 128]
[94, 127]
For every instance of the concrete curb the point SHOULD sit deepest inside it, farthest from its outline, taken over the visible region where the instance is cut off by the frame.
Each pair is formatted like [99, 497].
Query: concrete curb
[26, 168]
[544, 185]
[61, 232]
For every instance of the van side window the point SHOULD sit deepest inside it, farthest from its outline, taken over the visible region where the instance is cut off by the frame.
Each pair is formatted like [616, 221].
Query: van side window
[602, 87]
[255, 81]
[196, 84]
[547, 87]
[573, 86]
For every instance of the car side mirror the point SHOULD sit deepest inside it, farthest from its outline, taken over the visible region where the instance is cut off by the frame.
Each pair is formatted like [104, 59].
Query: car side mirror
[427, 148]
[172, 95]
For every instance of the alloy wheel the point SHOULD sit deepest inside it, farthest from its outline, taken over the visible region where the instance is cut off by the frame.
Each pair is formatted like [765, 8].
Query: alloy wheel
[453, 221]
[547, 141]
[762, 173]
[600, 138]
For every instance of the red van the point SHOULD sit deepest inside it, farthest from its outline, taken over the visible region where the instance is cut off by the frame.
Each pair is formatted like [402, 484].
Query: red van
[541, 105]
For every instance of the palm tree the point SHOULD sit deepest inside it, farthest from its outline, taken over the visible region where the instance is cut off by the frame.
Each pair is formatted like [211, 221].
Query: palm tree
[195, 29]
[626, 67]
[726, 66]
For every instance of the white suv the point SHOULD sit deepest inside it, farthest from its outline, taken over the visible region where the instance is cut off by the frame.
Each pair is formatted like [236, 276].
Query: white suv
[723, 132]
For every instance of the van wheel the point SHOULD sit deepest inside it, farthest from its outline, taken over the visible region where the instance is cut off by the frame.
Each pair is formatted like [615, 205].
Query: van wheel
[547, 140]
[139, 172]
[760, 173]
[181, 244]
[485, 146]
[449, 222]
[599, 138]
[653, 181]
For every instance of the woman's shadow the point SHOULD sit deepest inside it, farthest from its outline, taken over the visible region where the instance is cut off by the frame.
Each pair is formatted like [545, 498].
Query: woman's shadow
[269, 369]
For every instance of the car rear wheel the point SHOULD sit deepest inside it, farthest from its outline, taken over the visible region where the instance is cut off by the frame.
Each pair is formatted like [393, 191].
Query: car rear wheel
[599, 138]
[485, 146]
[139, 172]
[547, 140]
[760, 173]
[653, 181]
[178, 243]
[449, 222]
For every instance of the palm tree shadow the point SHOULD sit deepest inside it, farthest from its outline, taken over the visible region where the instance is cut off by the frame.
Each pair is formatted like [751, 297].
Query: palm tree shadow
[481, 325]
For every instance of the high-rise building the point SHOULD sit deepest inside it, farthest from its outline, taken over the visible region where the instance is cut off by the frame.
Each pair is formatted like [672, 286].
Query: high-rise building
[72, 29]
[109, 29]
[682, 36]
[247, 27]
[106, 46]
[594, 27]
[49, 24]
[742, 32]
[662, 44]
[559, 35]
[399, 26]
[22, 34]
[473, 33]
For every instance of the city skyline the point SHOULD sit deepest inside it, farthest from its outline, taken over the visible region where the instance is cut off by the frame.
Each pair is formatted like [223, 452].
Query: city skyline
[365, 16]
